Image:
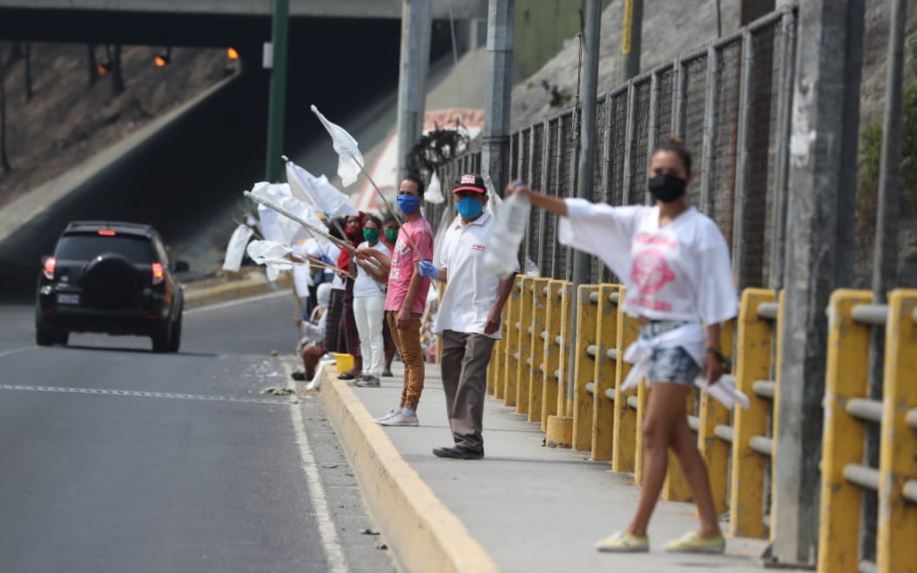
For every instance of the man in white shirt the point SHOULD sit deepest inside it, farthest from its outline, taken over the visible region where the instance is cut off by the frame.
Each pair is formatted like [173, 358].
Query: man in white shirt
[469, 315]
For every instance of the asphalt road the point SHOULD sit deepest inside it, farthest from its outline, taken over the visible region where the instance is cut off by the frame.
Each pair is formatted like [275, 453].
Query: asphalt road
[115, 459]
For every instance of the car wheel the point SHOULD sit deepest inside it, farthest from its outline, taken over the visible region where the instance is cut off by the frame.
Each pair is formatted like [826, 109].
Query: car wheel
[162, 340]
[175, 343]
[45, 336]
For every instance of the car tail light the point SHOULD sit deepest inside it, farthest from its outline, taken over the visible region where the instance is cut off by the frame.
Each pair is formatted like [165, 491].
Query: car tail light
[158, 273]
[50, 265]
[107, 232]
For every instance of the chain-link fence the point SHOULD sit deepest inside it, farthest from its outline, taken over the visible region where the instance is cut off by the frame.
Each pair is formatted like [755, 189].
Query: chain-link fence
[723, 101]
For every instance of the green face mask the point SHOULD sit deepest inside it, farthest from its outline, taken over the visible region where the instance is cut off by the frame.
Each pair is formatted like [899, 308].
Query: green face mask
[371, 235]
[391, 235]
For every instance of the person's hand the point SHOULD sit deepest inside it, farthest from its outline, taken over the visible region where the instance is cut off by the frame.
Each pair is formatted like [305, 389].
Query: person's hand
[517, 187]
[713, 367]
[403, 318]
[493, 323]
[428, 270]
[365, 251]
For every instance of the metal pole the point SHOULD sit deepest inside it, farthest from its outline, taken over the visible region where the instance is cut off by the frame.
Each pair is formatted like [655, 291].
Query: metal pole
[885, 253]
[589, 91]
[412, 78]
[708, 182]
[743, 170]
[498, 89]
[782, 162]
[822, 98]
[278, 95]
[631, 34]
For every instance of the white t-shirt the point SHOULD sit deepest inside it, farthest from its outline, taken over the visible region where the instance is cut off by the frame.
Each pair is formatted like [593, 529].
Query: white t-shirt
[471, 290]
[677, 272]
[365, 286]
[328, 253]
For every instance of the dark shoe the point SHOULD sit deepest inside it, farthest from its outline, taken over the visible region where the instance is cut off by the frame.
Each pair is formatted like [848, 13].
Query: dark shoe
[458, 453]
[298, 375]
[387, 374]
[346, 376]
[367, 382]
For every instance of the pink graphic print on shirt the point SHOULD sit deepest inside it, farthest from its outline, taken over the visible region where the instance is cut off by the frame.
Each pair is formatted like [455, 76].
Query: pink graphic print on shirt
[649, 273]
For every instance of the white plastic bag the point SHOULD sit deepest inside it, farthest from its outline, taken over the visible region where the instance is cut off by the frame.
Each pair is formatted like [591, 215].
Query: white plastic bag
[502, 257]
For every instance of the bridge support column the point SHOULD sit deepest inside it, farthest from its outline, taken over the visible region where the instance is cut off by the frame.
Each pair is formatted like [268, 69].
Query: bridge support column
[819, 249]
[412, 83]
[497, 91]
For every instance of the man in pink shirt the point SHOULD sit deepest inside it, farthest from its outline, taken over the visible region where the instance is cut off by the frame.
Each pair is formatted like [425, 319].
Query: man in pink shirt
[407, 297]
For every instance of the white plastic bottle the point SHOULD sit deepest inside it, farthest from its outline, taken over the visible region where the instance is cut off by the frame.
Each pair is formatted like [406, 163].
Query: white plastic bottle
[502, 256]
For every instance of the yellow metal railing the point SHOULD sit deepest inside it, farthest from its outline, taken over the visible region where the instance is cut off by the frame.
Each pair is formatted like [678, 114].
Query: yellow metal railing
[848, 411]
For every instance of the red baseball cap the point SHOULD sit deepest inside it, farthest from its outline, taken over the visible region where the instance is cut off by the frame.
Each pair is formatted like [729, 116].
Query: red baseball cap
[473, 183]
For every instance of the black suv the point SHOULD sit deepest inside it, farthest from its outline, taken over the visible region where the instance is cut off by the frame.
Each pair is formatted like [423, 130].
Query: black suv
[109, 277]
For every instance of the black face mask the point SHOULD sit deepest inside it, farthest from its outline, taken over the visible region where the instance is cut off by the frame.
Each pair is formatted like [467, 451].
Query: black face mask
[667, 188]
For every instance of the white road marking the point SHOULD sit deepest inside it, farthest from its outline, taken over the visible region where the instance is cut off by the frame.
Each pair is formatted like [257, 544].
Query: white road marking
[326, 528]
[16, 350]
[238, 302]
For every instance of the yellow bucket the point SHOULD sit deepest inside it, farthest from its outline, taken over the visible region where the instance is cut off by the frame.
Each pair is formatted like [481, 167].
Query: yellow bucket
[344, 362]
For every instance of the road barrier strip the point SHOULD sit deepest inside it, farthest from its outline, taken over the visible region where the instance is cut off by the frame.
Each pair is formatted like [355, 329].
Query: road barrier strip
[201, 293]
[422, 533]
[849, 411]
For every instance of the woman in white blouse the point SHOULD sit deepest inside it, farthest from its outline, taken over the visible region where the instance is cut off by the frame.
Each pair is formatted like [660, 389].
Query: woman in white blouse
[675, 263]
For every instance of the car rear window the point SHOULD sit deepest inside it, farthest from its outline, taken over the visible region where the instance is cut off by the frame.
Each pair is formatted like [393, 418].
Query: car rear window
[85, 247]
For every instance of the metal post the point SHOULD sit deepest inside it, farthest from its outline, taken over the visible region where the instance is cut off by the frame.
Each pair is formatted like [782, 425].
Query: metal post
[278, 95]
[589, 91]
[680, 77]
[782, 160]
[814, 261]
[885, 253]
[498, 89]
[415, 15]
[542, 214]
[652, 128]
[631, 34]
[708, 182]
[743, 169]
[630, 135]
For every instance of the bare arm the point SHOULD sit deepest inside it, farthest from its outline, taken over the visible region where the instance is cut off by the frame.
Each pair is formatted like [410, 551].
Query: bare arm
[556, 205]
[713, 363]
[404, 315]
[496, 313]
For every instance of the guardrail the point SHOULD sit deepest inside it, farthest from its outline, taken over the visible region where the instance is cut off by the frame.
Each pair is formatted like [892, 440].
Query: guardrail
[530, 369]
[848, 412]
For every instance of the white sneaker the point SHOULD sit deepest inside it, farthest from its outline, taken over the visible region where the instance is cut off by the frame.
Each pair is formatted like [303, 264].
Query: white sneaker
[387, 415]
[400, 419]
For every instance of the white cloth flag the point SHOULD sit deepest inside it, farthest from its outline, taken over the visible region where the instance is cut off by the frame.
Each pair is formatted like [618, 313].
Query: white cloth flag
[318, 192]
[280, 229]
[350, 160]
[434, 192]
[235, 250]
[272, 255]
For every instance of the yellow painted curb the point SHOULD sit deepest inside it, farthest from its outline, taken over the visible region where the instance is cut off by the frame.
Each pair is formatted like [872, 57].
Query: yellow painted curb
[253, 284]
[423, 534]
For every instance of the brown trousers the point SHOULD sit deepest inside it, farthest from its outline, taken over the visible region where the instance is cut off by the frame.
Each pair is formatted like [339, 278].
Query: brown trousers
[407, 340]
[464, 365]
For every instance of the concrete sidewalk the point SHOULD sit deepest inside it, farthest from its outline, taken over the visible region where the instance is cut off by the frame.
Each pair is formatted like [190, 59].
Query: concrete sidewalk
[532, 508]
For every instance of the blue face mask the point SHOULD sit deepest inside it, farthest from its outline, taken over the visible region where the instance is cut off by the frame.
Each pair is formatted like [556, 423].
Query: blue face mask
[408, 203]
[469, 208]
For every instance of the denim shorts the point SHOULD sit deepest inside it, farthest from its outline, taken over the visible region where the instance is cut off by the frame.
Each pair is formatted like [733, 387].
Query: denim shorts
[669, 364]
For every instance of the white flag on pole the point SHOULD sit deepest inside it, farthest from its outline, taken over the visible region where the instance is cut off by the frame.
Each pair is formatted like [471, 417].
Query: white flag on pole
[318, 192]
[434, 192]
[350, 160]
[235, 250]
[282, 229]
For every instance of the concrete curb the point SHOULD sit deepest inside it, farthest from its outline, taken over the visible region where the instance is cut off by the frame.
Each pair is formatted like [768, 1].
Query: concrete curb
[422, 533]
[253, 284]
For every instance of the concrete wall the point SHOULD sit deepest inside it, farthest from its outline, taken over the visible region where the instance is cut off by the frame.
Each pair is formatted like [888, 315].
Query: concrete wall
[461, 9]
[543, 27]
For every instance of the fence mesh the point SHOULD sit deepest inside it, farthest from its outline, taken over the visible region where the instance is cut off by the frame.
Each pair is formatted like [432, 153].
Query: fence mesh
[695, 107]
[547, 156]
